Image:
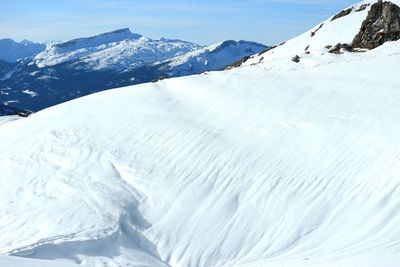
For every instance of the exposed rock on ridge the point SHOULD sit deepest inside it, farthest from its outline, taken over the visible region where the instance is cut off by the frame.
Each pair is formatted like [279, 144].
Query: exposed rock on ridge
[381, 25]
[342, 13]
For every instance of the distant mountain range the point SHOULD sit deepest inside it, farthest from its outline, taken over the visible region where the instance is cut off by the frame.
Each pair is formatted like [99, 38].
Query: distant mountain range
[36, 76]
[11, 51]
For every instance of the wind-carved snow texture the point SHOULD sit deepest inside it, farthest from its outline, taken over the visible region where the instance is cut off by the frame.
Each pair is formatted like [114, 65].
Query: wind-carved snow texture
[273, 164]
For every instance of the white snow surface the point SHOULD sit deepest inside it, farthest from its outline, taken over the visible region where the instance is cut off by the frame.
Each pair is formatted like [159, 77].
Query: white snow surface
[119, 50]
[6, 119]
[7, 261]
[273, 164]
[30, 92]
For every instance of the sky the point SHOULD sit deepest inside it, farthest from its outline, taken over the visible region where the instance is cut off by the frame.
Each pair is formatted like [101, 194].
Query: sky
[201, 21]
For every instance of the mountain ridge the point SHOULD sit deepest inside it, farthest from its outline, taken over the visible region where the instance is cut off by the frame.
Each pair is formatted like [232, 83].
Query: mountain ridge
[100, 39]
[11, 51]
[119, 58]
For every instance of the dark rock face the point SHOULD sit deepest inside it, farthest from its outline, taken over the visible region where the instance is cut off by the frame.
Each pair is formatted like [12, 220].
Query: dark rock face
[314, 32]
[267, 49]
[160, 79]
[338, 47]
[362, 7]
[7, 111]
[237, 63]
[296, 59]
[381, 25]
[342, 14]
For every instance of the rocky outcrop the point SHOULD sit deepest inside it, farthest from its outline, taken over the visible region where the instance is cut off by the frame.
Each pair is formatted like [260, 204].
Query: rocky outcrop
[381, 25]
[362, 7]
[267, 49]
[296, 59]
[314, 32]
[237, 63]
[6, 110]
[163, 77]
[337, 49]
[342, 13]
[306, 50]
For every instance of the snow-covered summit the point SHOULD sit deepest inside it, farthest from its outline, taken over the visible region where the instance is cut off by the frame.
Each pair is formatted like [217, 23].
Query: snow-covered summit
[11, 51]
[102, 39]
[122, 49]
[215, 57]
[114, 50]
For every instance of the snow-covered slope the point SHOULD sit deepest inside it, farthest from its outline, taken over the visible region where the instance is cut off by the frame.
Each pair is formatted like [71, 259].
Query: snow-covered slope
[119, 49]
[11, 51]
[6, 119]
[265, 165]
[224, 169]
[20, 262]
[312, 47]
[215, 57]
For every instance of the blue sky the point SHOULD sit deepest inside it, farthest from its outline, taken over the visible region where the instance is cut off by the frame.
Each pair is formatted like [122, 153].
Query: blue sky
[201, 21]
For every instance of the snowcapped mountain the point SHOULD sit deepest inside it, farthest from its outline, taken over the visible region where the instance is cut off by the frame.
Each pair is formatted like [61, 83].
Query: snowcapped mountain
[215, 57]
[68, 70]
[285, 161]
[11, 51]
[118, 50]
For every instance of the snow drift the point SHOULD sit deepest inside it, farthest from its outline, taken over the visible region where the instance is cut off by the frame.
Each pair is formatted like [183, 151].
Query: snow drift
[271, 164]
